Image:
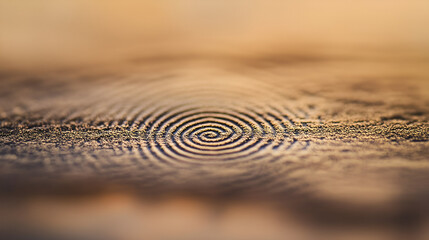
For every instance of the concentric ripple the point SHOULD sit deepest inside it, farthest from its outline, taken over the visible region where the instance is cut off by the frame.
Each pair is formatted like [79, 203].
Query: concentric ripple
[201, 115]
[202, 135]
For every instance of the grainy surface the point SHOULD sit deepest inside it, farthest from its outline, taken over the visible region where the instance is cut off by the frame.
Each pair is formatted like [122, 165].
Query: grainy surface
[345, 135]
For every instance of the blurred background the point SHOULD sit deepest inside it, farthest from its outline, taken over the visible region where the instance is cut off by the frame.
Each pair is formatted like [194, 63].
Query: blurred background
[39, 35]
[49, 33]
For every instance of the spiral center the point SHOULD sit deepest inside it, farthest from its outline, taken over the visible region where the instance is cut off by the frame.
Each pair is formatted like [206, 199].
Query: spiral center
[210, 134]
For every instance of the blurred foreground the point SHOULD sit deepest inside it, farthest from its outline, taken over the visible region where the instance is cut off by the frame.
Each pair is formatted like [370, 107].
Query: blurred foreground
[214, 120]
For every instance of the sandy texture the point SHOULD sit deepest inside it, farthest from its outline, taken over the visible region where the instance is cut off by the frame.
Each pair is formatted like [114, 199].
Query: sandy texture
[345, 135]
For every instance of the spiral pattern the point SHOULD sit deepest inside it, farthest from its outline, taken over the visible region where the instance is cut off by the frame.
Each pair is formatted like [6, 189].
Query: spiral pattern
[213, 135]
[188, 116]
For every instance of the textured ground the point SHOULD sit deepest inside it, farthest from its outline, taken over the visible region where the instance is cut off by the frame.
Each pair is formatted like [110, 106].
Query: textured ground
[340, 139]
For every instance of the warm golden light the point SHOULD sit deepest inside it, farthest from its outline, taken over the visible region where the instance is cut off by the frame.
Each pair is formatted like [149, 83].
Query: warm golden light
[214, 119]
